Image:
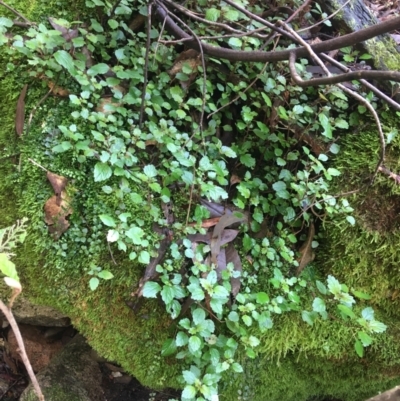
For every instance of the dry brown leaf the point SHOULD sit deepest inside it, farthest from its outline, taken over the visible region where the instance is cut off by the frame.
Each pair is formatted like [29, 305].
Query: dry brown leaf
[107, 105]
[235, 179]
[20, 112]
[58, 182]
[306, 252]
[57, 90]
[56, 211]
[225, 221]
[67, 34]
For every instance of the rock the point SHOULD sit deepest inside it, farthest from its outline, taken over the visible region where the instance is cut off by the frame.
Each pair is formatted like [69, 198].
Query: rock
[38, 348]
[71, 376]
[38, 315]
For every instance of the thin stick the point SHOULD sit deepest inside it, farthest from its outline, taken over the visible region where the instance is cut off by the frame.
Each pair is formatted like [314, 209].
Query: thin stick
[203, 64]
[326, 18]
[10, 317]
[146, 65]
[37, 164]
[16, 13]
[344, 89]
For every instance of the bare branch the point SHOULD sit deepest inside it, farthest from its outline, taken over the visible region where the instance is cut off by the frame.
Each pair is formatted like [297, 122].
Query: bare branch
[10, 317]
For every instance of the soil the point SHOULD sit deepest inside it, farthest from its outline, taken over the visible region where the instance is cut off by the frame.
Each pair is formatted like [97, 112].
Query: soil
[116, 385]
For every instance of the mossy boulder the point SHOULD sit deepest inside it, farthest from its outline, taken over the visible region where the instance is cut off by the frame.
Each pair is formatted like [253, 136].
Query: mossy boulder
[295, 361]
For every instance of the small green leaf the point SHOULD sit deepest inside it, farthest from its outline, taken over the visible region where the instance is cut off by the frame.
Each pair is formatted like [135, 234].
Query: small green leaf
[144, 257]
[189, 392]
[151, 289]
[64, 59]
[262, 298]
[189, 376]
[308, 317]
[347, 311]
[212, 14]
[94, 283]
[168, 347]
[321, 287]
[150, 171]
[181, 339]
[365, 338]
[100, 68]
[7, 267]
[102, 172]
[235, 42]
[105, 275]
[361, 295]
[112, 23]
[359, 348]
[377, 327]
[167, 294]
[107, 220]
[194, 344]
[367, 313]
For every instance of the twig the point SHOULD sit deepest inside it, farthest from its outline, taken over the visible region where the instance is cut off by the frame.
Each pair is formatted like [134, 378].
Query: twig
[344, 89]
[241, 93]
[326, 18]
[203, 63]
[37, 164]
[146, 65]
[10, 317]
[386, 171]
[16, 13]
[36, 107]
[367, 84]
[111, 254]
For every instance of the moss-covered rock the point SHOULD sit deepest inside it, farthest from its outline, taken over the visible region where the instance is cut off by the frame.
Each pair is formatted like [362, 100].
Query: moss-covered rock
[295, 361]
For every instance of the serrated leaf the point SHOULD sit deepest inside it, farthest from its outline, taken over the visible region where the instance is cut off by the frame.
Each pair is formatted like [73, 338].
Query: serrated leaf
[365, 338]
[194, 344]
[368, 313]
[151, 289]
[144, 257]
[150, 171]
[167, 294]
[319, 305]
[102, 172]
[262, 298]
[308, 317]
[189, 376]
[212, 14]
[64, 59]
[377, 327]
[189, 392]
[181, 339]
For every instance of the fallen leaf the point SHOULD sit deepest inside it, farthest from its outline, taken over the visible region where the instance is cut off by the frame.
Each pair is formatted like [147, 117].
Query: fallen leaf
[235, 179]
[57, 90]
[306, 253]
[20, 112]
[225, 221]
[58, 182]
[56, 211]
[67, 34]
